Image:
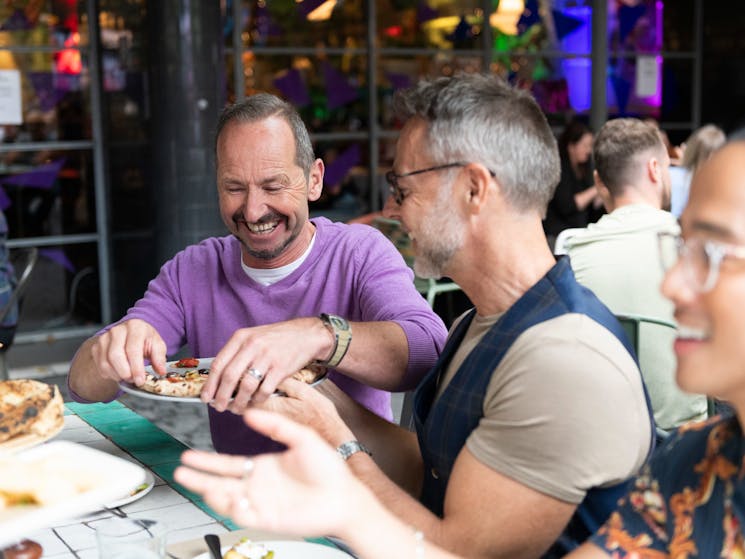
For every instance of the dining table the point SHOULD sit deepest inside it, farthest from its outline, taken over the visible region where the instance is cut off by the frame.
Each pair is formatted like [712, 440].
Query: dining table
[118, 430]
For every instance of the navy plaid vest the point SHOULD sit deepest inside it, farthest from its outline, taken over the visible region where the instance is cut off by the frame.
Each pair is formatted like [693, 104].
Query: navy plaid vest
[444, 424]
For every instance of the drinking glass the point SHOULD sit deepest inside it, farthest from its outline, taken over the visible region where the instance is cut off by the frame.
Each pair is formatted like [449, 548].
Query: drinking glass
[131, 538]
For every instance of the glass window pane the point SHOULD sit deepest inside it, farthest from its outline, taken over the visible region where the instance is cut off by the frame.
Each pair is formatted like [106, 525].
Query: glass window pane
[430, 24]
[54, 97]
[46, 23]
[677, 92]
[635, 27]
[678, 26]
[329, 92]
[47, 192]
[63, 290]
[345, 185]
[307, 23]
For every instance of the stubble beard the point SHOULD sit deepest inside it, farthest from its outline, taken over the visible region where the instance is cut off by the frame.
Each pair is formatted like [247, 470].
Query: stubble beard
[440, 238]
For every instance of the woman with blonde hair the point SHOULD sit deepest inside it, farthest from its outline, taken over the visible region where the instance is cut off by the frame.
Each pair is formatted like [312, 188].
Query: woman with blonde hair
[697, 148]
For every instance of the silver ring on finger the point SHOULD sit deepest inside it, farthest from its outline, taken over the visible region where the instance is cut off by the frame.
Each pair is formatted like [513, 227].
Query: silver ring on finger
[255, 373]
[243, 504]
[247, 468]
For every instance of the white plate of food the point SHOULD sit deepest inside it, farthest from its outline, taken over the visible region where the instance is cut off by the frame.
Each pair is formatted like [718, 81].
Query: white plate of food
[185, 378]
[57, 481]
[283, 549]
[183, 381]
[135, 493]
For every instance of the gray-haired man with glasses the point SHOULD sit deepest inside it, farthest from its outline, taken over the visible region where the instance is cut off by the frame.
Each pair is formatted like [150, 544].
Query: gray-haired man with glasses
[535, 415]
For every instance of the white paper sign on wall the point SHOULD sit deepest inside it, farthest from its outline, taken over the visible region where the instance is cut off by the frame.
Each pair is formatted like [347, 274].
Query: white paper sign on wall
[647, 76]
[10, 97]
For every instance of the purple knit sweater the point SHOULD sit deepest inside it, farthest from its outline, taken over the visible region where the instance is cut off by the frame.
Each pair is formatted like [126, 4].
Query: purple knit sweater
[202, 296]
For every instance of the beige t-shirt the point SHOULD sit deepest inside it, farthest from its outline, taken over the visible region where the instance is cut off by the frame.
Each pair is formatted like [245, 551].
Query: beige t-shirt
[564, 410]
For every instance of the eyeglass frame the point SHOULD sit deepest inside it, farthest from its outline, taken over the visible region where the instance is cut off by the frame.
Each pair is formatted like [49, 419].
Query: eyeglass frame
[398, 193]
[716, 252]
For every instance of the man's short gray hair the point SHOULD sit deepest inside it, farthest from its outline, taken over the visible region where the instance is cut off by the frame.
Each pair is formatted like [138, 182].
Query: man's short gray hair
[265, 105]
[480, 118]
[617, 147]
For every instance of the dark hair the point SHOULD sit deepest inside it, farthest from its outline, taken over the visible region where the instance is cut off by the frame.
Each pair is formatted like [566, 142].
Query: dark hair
[572, 133]
[265, 105]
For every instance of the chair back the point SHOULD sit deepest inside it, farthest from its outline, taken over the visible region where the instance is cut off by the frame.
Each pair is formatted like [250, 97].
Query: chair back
[24, 260]
[631, 324]
[562, 238]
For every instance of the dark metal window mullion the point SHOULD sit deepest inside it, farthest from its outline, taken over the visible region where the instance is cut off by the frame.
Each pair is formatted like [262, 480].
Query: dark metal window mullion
[100, 163]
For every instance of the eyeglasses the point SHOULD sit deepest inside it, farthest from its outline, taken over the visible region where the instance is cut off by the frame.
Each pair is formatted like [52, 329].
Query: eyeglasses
[399, 194]
[700, 259]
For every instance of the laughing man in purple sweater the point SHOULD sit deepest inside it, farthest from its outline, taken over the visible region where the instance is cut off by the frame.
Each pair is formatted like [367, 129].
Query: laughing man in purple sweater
[281, 291]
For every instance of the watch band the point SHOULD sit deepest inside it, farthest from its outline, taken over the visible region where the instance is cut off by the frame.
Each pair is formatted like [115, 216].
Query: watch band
[349, 448]
[342, 332]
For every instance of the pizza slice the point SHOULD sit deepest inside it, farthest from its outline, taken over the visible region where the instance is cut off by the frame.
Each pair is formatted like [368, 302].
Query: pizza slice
[189, 384]
[29, 407]
[179, 385]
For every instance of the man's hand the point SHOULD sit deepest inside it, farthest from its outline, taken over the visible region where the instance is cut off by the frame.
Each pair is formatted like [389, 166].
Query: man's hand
[256, 360]
[120, 353]
[314, 407]
[281, 492]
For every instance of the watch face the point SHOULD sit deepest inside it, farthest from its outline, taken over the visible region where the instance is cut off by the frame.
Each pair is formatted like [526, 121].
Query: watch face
[338, 322]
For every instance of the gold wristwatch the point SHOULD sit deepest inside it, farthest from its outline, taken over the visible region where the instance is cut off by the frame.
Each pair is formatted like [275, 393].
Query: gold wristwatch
[342, 332]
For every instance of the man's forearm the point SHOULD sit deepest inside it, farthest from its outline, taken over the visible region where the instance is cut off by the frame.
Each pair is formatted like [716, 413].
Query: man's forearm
[395, 450]
[402, 504]
[84, 380]
[378, 355]
[401, 539]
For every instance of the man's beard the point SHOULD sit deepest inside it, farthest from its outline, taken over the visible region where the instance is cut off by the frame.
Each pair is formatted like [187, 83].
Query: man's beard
[264, 254]
[441, 236]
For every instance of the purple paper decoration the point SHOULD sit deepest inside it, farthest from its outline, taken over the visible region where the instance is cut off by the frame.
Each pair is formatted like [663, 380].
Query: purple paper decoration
[338, 90]
[46, 93]
[339, 167]
[265, 25]
[627, 18]
[5, 201]
[529, 17]
[425, 13]
[565, 24]
[58, 256]
[398, 81]
[42, 176]
[293, 87]
[51, 87]
[16, 22]
[552, 95]
[307, 6]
